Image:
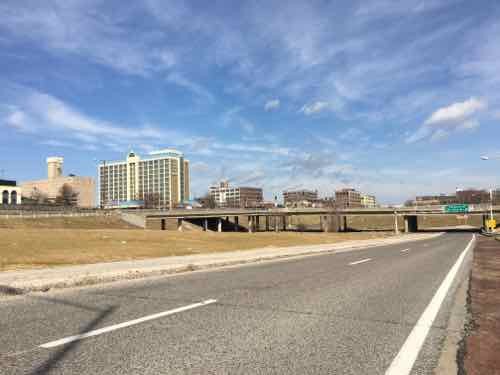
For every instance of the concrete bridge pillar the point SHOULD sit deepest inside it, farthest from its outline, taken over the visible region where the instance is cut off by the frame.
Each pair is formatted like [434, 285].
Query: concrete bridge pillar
[267, 223]
[330, 223]
[276, 223]
[250, 224]
[219, 225]
[257, 223]
[205, 224]
[396, 229]
[179, 225]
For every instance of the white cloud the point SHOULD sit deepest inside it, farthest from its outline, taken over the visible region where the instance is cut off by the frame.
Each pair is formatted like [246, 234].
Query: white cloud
[272, 104]
[314, 108]
[455, 117]
[456, 112]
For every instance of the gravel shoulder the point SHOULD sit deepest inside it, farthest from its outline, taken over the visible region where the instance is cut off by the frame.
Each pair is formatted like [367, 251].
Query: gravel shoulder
[481, 346]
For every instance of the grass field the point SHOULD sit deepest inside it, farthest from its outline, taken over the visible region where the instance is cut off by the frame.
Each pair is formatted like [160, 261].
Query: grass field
[70, 222]
[34, 248]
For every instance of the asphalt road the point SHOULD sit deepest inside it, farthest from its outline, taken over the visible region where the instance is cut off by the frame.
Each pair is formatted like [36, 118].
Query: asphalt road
[347, 313]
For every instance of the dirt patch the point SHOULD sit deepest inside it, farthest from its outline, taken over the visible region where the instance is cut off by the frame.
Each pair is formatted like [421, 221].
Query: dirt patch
[481, 347]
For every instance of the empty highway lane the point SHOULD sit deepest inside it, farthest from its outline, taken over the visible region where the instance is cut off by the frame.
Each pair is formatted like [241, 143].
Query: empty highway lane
[349, 313]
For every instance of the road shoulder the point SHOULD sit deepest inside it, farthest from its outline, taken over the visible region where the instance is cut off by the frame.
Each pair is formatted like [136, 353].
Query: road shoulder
[481, 345]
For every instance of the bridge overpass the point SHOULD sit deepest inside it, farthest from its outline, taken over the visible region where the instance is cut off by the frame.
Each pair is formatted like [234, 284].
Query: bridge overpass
[276, 219]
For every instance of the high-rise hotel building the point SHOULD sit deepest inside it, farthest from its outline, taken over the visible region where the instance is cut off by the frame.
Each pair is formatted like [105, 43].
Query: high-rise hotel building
[160, 180]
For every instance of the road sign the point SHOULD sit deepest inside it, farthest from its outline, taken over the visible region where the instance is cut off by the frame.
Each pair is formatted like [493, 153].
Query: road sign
[456, 208]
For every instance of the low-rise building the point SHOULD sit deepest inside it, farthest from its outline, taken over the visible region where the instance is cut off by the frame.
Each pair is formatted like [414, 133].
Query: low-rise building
[11, 193]
[473, 196]
[49, 190]
[368, 201]
[348, 198]
[300, 198]
[224, 195]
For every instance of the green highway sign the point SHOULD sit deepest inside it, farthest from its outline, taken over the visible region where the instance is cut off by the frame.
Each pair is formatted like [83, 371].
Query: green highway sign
[456, 208]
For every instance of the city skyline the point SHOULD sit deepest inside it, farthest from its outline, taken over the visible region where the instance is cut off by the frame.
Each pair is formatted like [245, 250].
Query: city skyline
[335, 101]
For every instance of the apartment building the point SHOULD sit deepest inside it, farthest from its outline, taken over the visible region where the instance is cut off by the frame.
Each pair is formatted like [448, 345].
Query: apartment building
[368, 201]
[159, 180]
[224, 195]
[348, 198]
[300, 198]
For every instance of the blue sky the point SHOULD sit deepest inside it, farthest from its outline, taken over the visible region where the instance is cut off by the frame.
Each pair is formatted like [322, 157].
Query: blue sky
[394, 98]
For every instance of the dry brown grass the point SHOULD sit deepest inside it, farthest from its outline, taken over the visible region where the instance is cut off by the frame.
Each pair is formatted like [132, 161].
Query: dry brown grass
[70, 222]
[33, 248]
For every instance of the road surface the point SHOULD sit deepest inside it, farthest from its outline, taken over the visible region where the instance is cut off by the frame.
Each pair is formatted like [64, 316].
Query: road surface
[348, 313]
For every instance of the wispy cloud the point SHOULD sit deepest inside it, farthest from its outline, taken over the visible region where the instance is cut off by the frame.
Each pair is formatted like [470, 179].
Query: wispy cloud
[315, 108]
[195, 88]
[272, 104]
[71, 28]
[46, 115]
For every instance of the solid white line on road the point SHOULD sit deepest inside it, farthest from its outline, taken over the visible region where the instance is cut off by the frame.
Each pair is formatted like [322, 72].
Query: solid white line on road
[360, 261]
[100, 331]
[405, 250]
[405, 359]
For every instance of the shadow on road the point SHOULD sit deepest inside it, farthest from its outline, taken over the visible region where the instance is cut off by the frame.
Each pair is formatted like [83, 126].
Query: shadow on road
[52, 362]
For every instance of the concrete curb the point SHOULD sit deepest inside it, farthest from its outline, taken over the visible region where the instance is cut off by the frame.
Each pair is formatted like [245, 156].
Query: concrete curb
[22, 282]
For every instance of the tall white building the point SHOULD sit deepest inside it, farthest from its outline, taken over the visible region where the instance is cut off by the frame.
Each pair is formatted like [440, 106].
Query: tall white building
[160, 180]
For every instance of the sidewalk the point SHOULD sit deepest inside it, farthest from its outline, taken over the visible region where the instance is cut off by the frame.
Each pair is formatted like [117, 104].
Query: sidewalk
[480, 352]
[19, 282]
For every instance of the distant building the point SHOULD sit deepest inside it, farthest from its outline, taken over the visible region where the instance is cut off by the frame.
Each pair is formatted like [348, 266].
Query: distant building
[368, 201]
[348, 198]
[434, 200]
[159, 180]
[225, 195]
[473, 196]
[324, 202]
[50, 189]
[11, 193]
[300, 198]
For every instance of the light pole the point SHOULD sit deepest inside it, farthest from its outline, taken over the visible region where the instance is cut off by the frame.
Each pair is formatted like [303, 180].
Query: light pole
[485, 157]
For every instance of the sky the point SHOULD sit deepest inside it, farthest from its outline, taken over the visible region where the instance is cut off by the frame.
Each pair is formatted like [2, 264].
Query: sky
[393, 98]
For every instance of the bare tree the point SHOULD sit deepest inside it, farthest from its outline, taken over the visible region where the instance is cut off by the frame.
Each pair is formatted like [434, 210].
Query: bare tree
[67, 196]
[37, 197]
[207, 201]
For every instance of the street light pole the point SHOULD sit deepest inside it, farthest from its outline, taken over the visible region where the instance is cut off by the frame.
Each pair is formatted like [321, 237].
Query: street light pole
[491, 204]
[485, 157]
